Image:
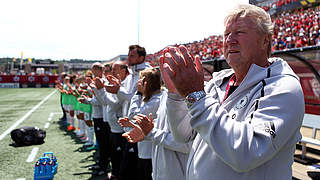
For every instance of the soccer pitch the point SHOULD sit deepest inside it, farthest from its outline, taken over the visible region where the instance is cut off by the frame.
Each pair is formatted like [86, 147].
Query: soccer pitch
[15, 106]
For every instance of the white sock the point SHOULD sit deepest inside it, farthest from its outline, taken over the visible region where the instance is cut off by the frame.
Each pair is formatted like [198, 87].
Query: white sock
[68, 118]
[82, 126]
[79, 127]
[72, 121]
[90, 134]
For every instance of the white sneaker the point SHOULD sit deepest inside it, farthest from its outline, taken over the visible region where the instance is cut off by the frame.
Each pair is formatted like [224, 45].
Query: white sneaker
[78, 133]
[84, 139]
[88, 144]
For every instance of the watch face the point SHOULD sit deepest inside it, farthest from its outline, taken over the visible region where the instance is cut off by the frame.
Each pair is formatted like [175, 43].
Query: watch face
[191, 99]
[195, 96]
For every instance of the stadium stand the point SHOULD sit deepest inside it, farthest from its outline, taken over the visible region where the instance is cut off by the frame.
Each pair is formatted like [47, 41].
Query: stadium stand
[293, 29]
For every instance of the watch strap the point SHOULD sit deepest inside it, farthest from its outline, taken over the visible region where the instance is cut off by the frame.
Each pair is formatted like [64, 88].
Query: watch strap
[194, 97]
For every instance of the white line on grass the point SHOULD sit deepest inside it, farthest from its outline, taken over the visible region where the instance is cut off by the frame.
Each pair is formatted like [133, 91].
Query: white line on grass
[21, 179]
[52, 114]
[46, 125]
[33, 154]
[25, 116]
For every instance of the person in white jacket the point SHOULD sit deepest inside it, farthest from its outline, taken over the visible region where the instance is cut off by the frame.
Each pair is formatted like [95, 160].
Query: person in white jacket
[169, 157]
[125, 91]
[246, 121]
[146, 101]
[101, 126]
[112, 111]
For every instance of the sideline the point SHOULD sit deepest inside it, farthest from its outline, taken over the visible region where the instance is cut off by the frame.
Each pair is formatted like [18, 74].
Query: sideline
[25, 116]
[33, 154]
[46, 126]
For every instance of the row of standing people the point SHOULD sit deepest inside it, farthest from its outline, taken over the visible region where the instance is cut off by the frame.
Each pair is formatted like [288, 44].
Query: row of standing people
[121, 93]
[242, 124]
[245, 122]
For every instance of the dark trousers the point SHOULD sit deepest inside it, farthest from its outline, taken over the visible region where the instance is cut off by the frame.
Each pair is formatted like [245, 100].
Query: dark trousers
[129, 164]
[64, 112]
[145, 169]
[117, 143]
[102, 131]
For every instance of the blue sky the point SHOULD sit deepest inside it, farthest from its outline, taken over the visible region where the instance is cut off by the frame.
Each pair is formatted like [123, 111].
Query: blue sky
[102, 29]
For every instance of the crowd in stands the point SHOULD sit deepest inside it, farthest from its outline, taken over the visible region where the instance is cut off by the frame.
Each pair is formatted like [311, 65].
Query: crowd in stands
[275, 4]
[207, 49]
[298, 28]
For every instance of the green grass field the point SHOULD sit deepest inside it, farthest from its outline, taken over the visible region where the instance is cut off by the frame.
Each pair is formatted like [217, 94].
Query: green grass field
[14, 104]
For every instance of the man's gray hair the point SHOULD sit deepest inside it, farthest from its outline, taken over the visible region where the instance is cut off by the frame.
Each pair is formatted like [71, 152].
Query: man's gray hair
[258, 15]
[97, 65]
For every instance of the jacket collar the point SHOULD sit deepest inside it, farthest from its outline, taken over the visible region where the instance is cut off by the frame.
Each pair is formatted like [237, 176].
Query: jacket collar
[257, 73]
[139, 67]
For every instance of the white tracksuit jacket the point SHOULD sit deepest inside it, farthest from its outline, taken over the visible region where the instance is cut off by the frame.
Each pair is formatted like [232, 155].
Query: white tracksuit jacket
[252, 134]
[138, 106]
[169, 158]
[97, 109]
[129, 85]
[112, 109]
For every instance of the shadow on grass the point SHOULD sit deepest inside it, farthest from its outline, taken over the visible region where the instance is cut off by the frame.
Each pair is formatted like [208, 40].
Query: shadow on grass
[94, 176]
[92, 157]
[89, 158]
[63, 127]
[13, 144]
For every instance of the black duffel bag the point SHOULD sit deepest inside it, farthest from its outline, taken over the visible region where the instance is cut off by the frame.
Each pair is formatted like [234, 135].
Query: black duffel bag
[28, 136]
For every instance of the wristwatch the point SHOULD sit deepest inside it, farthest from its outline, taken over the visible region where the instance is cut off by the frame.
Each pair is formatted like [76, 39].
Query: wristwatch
[194, 97]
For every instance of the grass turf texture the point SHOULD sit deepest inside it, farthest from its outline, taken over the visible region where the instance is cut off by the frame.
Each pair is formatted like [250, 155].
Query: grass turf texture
[73, 161]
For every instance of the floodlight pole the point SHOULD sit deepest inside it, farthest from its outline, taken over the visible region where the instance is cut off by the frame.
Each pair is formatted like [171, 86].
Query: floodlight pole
[139, 3]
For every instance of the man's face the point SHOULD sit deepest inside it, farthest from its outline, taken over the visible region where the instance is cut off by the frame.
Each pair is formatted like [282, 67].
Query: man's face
[134, 58]
[118, 72]
[97, 72]
[107, 71]
[243, 43]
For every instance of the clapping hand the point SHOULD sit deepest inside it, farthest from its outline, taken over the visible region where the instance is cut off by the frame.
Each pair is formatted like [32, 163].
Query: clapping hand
[90, 82]
[181, 67]
[114, 84]
[146, 124]
[167, 81]
[135, 135]
[98, 83]
[124, 122]
[82, 98]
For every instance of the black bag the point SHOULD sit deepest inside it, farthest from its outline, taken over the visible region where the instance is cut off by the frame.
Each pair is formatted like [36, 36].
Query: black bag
[28, 136]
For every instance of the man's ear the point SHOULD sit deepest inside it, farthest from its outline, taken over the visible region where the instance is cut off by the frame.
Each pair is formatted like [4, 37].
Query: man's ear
[267, 40]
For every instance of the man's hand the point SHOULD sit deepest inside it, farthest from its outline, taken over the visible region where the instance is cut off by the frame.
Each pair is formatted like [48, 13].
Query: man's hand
[90, 82]
[135, 135]
[146, 124]
[98, 83]
[82, 98]
[124, 122]
[114, 84]
[167, 81]
[181, 68]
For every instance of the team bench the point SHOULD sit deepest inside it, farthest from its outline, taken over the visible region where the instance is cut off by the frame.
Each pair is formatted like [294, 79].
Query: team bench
[310, 121]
